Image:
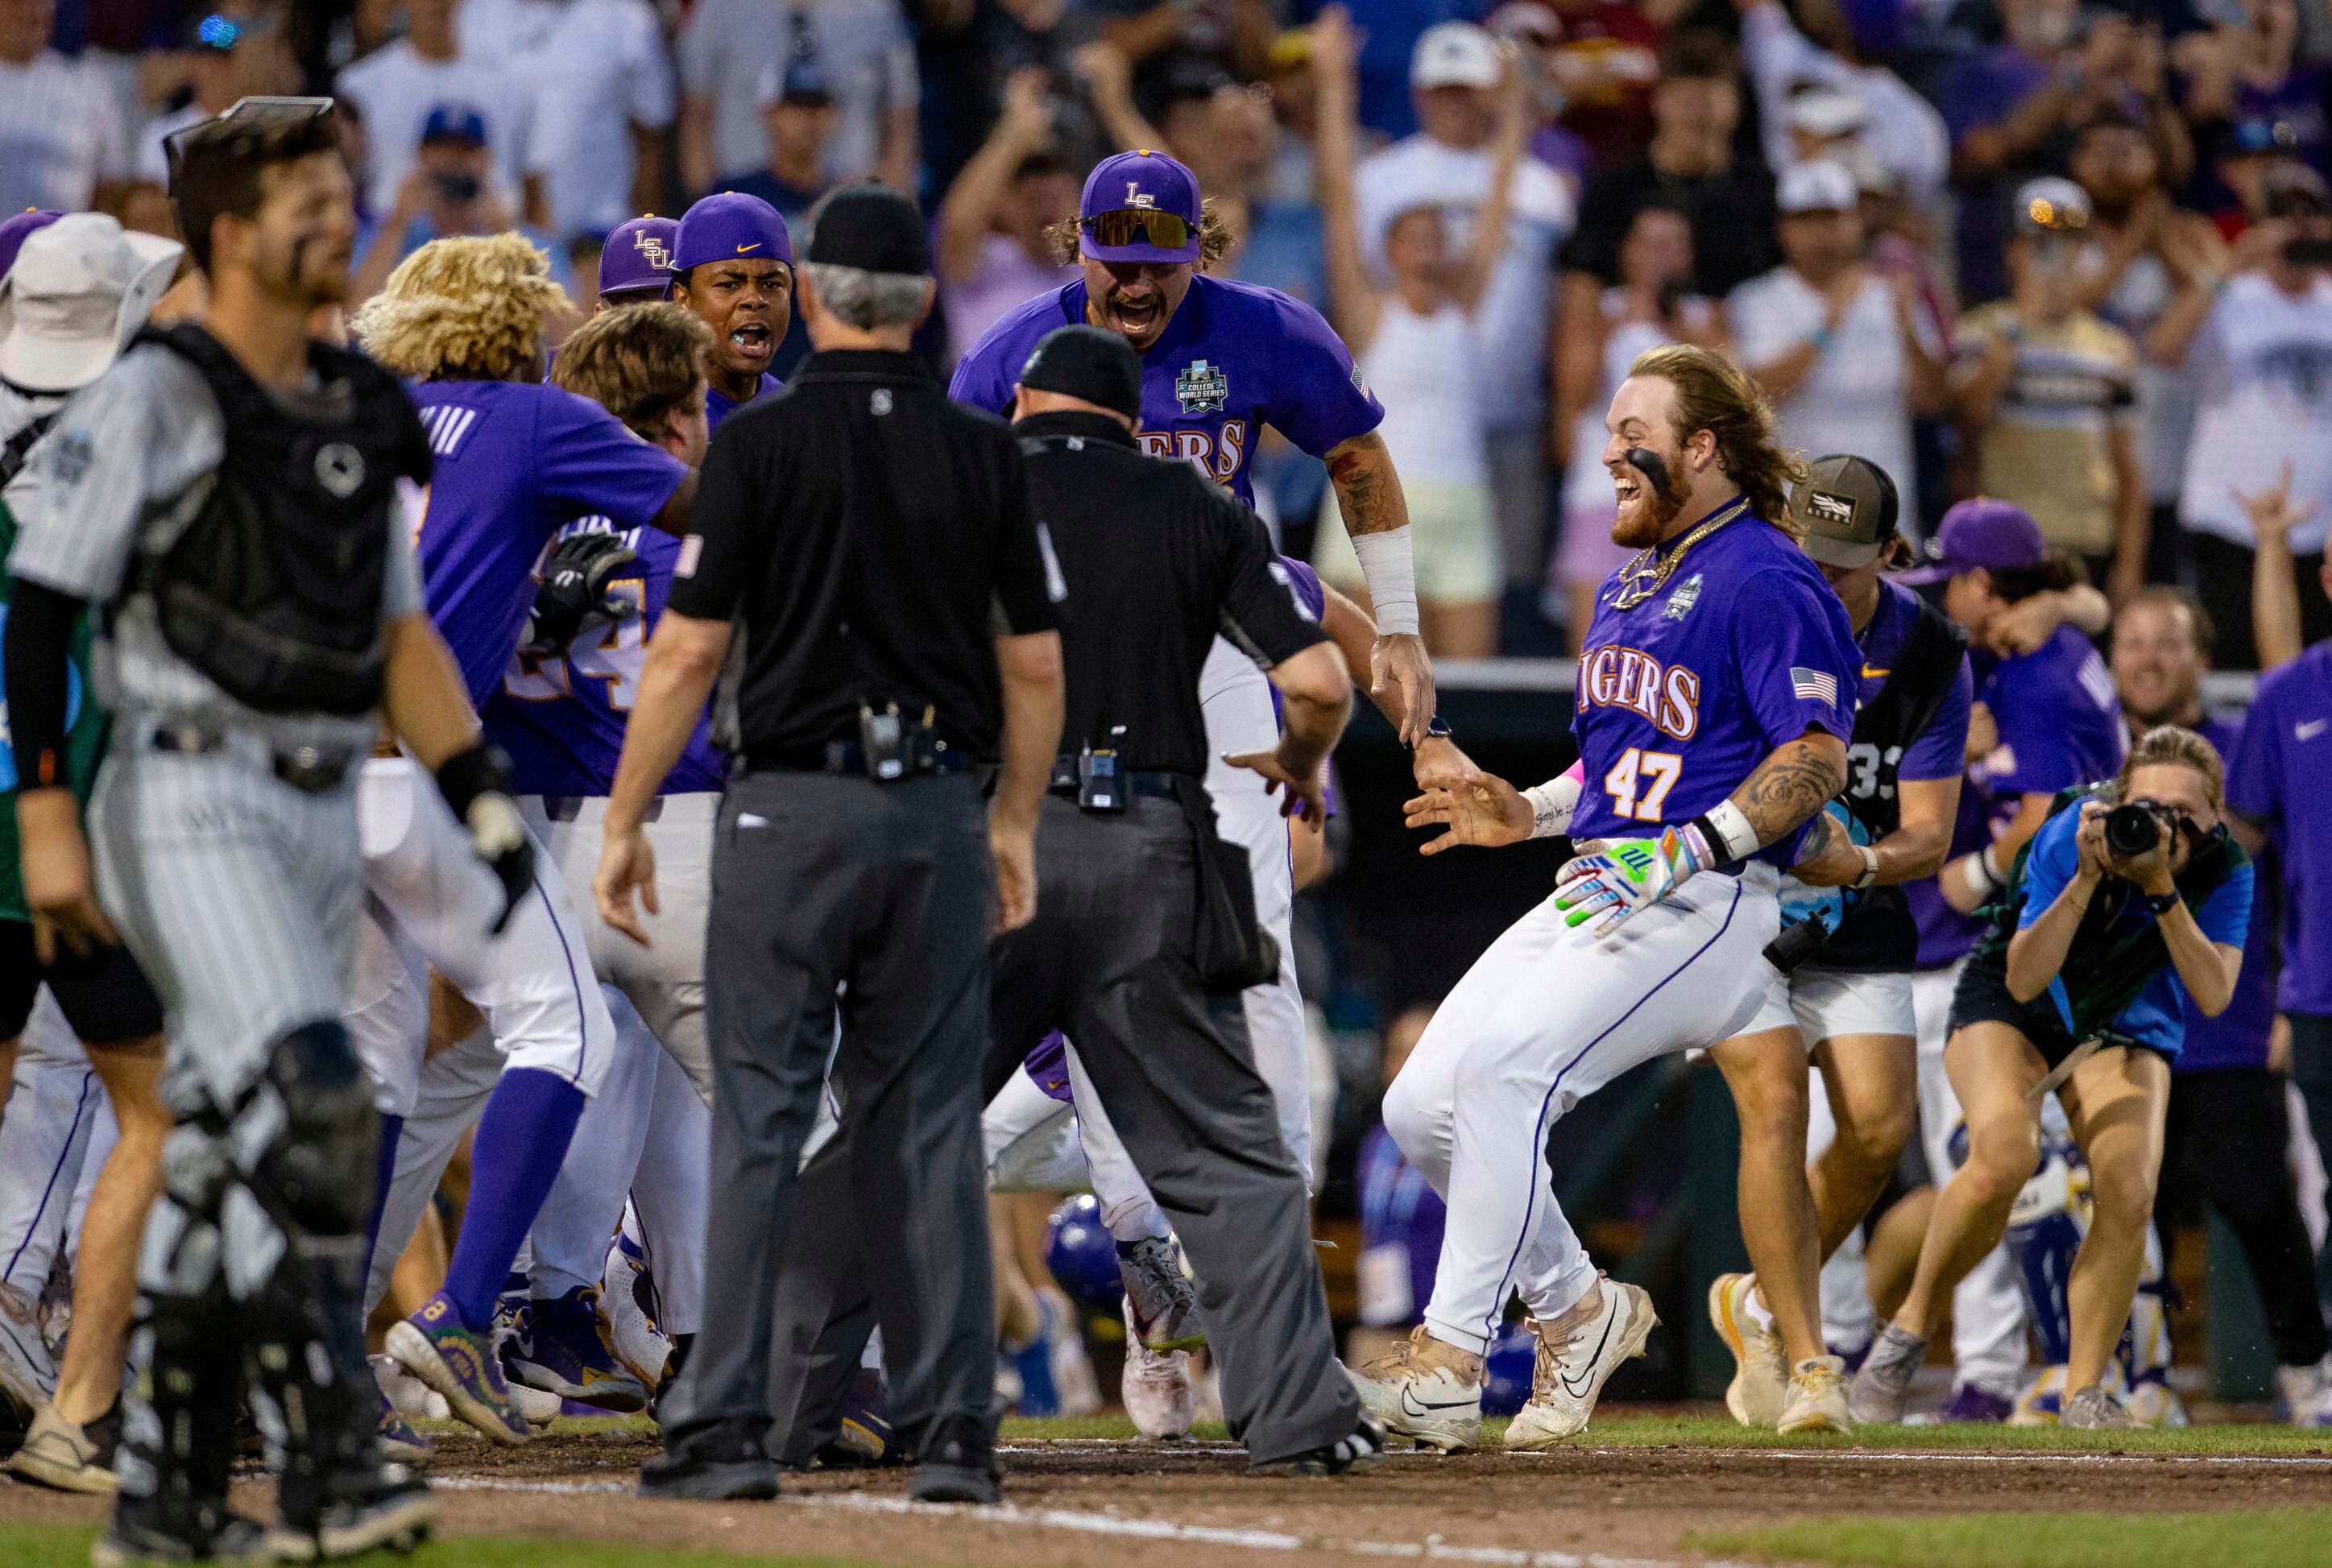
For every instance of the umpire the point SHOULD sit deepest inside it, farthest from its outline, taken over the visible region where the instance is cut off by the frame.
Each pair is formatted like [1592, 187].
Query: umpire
[872, 546]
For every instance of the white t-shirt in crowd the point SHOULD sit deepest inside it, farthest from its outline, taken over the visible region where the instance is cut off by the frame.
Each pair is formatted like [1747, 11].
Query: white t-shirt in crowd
[2261, 370]
[60, 134]
[1586, 483]
[596, 68]
[394, 89]
[151, 163]
[1513, 321]
[862, 46]
[1425, 371]
[1858, 396]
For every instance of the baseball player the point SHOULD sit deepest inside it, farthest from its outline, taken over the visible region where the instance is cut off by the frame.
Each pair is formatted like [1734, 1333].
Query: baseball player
[1848, 1000]
[1220, 360]
[224, 819]
[515, 460]
[636, 263]
[1716, 695]
[732, 268]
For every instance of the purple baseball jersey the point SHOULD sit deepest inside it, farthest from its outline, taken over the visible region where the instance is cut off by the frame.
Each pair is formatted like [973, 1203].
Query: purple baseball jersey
[1234, 358]
[2277, 779]
[515, 463]
[2060, 725]
[1741, 651]
[561, 716]
[2237, 1037]
[718, 405]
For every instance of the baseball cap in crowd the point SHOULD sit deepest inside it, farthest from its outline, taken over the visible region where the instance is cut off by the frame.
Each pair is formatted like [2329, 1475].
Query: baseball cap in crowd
[2052, 206]
[1139, 207]
[1524, 22]
[1455, 54]
[1825, 111]
[79, 290]
[455, 122]
[636, 261]
[1080, 361]
[1820, 185]
[1996, 535]
[872, 227]
[2293, 190]
[17, 230]
[1848, 508]
[800, 79]
[727, 224]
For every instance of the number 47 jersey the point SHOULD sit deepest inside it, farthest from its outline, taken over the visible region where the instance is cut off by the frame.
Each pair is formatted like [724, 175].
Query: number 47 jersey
[561, 715]
[1741, 650]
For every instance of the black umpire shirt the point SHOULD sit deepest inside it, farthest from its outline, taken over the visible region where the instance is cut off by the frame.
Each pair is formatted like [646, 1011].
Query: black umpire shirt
[1158, 561]
[871, 540]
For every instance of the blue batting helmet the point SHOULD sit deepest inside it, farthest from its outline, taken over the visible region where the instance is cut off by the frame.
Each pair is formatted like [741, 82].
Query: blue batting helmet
[1083, 1256]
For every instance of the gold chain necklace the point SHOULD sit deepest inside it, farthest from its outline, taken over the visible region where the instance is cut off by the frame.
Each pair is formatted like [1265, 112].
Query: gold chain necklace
[1643, 576]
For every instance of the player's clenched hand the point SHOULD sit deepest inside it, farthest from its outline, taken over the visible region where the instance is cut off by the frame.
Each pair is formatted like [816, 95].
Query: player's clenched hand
[575, 581]
[58, 888]
[1484, 811]
[1618, 876]
[1398, 662]
[627, 861]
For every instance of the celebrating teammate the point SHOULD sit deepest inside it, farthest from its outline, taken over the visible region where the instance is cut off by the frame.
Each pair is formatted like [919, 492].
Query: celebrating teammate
[1220, 361]
[732, 268]
[1716, 696]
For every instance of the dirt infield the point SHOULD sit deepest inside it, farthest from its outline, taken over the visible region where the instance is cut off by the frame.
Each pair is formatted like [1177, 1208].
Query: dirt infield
[1133, 1504]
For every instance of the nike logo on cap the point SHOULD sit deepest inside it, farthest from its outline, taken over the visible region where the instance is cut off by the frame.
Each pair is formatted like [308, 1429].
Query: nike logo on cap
[754, 247]
[2310, 729]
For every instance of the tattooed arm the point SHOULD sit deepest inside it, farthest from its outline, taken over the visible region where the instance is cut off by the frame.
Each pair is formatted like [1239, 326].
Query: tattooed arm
[1368, 491]
[1376, 514]
[1792, 786]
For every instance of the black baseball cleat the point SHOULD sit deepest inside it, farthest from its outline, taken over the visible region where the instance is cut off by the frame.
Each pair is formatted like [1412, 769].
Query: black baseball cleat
[718, 1464]
[389, 1507]
[961, 1465]
[1348, 1456]
[140, 1533]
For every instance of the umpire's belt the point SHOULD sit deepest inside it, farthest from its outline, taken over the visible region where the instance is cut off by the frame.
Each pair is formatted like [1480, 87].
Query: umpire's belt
[847, 757]
[1142, 781]
[312, 769]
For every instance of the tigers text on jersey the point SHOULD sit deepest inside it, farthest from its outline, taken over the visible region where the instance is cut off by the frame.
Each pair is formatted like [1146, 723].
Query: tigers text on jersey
[1234, 358]
[515, 462]
[1741, 651]
[561, 715]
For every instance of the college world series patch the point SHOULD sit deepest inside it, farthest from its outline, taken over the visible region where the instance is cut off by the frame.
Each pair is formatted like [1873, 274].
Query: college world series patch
[1202, 388]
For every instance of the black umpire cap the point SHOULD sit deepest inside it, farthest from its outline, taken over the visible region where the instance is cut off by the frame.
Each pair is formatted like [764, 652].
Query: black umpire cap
[871, 227]
[1087, 362]
[1848, 508]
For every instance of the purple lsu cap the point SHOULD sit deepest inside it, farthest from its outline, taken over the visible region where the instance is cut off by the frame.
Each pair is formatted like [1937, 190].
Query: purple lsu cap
[728, 224]
[15, 230]
[636, 260]
[1136, 182]
[1996, 535]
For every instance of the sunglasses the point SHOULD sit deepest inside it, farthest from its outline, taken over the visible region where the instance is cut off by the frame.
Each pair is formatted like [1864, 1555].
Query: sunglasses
[1137, 225]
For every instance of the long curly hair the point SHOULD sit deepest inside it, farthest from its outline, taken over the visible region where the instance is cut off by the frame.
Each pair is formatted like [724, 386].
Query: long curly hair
[467, 309]
[1714, 395]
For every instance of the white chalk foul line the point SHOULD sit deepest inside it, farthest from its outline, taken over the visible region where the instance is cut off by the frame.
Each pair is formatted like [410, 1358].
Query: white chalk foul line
[1433, 1549]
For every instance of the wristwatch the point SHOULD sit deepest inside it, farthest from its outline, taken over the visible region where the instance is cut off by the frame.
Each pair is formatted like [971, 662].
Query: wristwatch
[2162, 903]
[1436, 729]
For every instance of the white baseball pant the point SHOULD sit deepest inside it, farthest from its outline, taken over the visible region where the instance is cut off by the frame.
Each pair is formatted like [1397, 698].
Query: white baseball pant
[1546, 1015]
[1032, 1141]
[584, 1204]
[671, 1195]
[52, 1108]
[1987, 1309]
[431, 900]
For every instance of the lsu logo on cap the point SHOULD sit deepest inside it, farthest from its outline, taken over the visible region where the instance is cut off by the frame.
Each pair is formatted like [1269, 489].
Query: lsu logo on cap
[1202, 388]
[652, 250]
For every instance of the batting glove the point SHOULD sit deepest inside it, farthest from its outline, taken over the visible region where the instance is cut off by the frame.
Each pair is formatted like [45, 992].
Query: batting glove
[1624, 874]
[574, 587]
[476, 783]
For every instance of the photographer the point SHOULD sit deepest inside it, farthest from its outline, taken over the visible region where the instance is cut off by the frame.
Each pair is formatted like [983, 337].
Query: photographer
[2131, 898]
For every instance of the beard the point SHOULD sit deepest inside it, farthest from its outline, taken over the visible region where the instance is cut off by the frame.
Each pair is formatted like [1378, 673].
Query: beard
[1642, 527]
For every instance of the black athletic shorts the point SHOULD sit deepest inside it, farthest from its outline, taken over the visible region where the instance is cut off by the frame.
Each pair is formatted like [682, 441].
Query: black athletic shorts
[1983, 996]
[104, 996]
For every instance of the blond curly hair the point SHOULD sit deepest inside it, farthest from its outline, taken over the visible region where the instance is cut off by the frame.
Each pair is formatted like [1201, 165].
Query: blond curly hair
[467, 309]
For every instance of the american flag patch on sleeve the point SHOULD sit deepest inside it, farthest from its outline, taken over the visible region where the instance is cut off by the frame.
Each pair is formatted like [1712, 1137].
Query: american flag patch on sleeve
[1814, 686]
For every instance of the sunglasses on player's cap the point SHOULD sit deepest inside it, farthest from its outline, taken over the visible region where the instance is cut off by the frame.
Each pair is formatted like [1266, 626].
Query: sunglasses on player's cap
[1139, 207]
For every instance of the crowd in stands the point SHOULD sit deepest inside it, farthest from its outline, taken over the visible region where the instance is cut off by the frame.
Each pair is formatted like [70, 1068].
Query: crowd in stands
[2074, 256]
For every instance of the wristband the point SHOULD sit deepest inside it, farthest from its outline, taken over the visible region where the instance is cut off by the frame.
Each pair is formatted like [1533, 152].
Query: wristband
[1551, 804]
[1388, 566]
[1992, 870]
[481, 769]
[1727, 832]
[1869, 867]
[1973, 877]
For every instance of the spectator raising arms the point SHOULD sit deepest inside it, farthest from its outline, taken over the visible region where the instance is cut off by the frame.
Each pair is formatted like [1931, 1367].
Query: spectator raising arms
[1903, 133]
[1420, 347]
[993, 253]
[61, 139]
[1845, 353]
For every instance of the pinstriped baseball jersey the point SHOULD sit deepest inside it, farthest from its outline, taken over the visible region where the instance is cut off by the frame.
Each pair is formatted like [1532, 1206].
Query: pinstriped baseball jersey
[125, 468]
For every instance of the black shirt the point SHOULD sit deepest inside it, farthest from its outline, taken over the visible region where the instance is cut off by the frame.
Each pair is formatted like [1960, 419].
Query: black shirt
[1158, 561]
[1730, 216]
[872, 539]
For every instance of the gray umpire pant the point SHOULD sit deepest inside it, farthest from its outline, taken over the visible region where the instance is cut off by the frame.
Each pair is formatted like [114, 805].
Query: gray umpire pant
[826, 884]
[1108, 960]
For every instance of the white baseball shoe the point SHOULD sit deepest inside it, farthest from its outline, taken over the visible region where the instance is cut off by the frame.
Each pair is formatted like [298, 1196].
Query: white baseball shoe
[1425, 1390]
[1577, 1352]
[1759, 1387]
[1160, 1395]
[1817, 1397]
[626, 1291]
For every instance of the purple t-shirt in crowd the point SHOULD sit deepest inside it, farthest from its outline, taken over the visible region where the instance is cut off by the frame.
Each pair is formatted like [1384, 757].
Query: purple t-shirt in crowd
[2278, 778]
[718, 405]
[2237, 1037]
[516, 461]
[1399, 1210]
[1234, 358]
[2060, 725]
[1743, 650]
[561, 716]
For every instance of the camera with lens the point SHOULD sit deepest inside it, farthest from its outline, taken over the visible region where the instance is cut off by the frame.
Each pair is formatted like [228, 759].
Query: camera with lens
[2133, 829]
